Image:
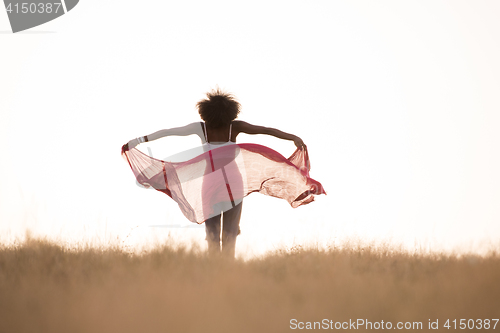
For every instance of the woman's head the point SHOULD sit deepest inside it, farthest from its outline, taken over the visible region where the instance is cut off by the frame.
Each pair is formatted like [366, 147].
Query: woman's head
[218, 109]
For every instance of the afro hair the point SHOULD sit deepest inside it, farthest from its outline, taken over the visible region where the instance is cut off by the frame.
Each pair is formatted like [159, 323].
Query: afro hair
[218, 109]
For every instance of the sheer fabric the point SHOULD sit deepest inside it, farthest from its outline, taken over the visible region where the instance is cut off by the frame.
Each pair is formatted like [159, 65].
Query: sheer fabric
[221, 177]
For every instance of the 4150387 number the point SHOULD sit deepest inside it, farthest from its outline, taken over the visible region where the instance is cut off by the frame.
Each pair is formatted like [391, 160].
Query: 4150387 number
[470, 324]
[32, 8]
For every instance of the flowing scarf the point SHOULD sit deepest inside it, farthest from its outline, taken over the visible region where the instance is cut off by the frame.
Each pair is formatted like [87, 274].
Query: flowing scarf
[218, 179]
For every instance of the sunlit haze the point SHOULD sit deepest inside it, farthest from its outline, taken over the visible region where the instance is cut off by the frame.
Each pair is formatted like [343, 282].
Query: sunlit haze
[397, 102]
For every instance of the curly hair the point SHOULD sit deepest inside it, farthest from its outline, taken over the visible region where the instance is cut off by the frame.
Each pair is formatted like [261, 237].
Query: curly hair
[218, 109]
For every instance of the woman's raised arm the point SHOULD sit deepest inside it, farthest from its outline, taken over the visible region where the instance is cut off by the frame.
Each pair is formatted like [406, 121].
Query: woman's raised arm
[193, 128]
[247, 128]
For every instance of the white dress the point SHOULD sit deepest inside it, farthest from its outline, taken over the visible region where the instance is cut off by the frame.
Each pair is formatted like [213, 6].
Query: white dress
[222, 186]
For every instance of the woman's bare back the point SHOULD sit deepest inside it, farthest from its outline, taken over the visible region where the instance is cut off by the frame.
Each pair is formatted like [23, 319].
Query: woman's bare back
[221, 134]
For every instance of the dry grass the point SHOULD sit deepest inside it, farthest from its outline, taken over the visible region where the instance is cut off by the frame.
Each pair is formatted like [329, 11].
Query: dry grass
[45, 287]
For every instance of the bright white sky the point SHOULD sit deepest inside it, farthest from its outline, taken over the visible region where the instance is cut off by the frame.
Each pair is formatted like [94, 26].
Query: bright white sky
[398, 102]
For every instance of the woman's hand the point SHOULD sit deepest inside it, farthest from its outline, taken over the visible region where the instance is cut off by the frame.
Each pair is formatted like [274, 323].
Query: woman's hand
[129, 145]
[299, 143]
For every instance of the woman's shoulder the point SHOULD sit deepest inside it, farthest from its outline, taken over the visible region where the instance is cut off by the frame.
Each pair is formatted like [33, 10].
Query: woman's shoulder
[239, 124]
[243, 126]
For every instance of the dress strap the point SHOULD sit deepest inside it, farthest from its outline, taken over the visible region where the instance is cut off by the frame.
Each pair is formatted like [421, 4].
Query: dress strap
[230, 126]
[205, 132]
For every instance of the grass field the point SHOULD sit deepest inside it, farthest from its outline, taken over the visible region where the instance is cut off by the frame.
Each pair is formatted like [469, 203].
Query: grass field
[45, 287]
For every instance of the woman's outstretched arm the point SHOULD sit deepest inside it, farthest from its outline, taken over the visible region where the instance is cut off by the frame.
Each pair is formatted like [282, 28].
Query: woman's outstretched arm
[193, 128]
[247, 128]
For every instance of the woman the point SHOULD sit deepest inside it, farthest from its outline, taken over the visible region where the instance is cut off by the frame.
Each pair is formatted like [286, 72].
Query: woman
[221, 167]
